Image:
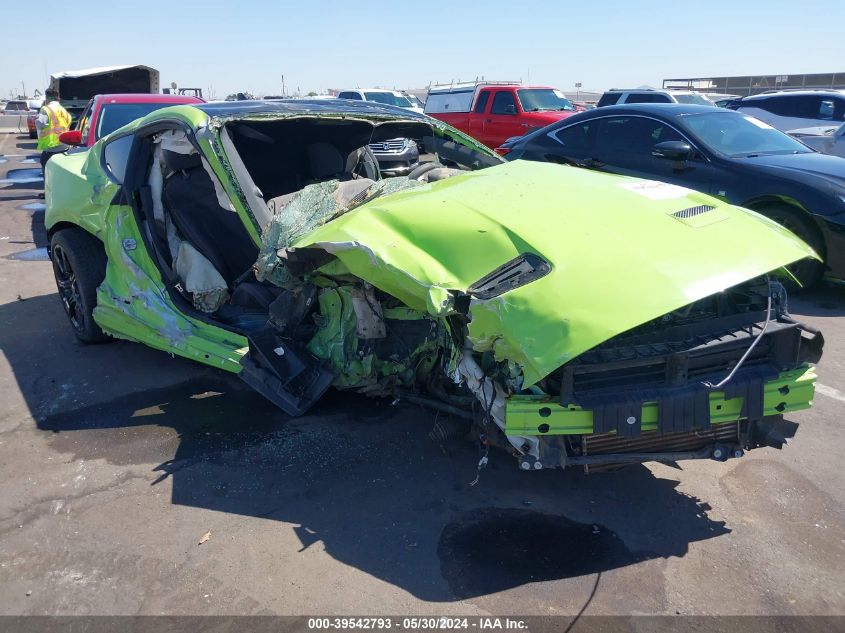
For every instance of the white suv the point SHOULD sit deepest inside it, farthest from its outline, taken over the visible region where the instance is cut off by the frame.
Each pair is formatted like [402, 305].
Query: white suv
[616, 96]
[790, 110]
[380, 95]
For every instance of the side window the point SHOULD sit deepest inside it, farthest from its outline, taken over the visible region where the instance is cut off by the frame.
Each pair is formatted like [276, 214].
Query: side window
[647, 97]
[839, 109]
[826, 110]
[577, 138]
[115, 157]
[481, 104]
[84, 120]
[609, 98]
[349, 95]
[799, 106]
[503, 103]
[632, 135]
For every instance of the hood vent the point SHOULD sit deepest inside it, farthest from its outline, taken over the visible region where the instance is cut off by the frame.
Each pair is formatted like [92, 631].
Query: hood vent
[691, 212]
[515, 273]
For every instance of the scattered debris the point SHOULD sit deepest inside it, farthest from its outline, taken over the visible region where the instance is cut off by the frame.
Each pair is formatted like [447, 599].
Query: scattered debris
[204, 537]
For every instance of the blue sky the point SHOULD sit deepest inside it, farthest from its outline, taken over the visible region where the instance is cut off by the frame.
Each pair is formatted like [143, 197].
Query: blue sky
[248, 45]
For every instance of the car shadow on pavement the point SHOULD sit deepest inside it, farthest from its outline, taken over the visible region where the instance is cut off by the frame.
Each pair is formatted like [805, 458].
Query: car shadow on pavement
[827, 299]
[26, 145]
[361, 476]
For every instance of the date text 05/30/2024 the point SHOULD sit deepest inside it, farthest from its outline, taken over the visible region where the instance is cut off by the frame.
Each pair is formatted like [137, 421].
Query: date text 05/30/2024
[416, 623]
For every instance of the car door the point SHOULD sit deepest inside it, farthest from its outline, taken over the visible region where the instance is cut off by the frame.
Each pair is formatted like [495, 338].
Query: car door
[478, 116]
[571, 144]
[625, 145]
[837, 145]
[503, 120]
[796, 111]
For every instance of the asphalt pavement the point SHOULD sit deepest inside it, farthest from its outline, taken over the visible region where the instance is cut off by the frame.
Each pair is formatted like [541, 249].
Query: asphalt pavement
[133, 482]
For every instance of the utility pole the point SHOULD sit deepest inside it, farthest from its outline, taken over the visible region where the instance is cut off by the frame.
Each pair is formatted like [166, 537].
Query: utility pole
[283, 85]
[23, 87]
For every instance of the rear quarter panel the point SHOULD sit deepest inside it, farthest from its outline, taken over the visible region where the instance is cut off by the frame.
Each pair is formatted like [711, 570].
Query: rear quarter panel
[77, 191]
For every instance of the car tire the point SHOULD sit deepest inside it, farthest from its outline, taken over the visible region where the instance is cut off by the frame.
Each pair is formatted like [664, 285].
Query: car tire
[79, 266]
[807, 271]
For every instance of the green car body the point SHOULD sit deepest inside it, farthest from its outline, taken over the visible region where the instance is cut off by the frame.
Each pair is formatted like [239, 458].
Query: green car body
[505, 278]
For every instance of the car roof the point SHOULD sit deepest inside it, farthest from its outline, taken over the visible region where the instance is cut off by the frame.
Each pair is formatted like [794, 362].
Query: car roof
[370, 90]
[665, 109]
[670, 110]
[797, 93]
[666, 90]
[140, 97]
[305, 106]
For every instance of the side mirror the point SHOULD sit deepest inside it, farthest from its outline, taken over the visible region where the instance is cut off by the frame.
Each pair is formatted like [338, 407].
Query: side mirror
[672, 150]
[510, 109]
[71, 137]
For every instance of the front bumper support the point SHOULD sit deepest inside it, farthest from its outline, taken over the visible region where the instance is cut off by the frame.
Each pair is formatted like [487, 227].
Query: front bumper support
[542, 415]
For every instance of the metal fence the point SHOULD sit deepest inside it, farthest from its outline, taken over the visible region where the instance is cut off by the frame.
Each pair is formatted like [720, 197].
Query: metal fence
[755, 84]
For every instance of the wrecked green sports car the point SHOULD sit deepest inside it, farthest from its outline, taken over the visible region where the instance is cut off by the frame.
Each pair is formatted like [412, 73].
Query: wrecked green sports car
[571, 317]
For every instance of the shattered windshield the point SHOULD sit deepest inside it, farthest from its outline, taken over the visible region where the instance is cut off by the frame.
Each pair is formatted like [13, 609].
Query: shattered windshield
[544, 99]
[312, 207]
[282, 156]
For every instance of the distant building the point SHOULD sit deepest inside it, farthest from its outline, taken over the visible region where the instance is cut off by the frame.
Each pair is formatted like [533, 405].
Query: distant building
[755, 84]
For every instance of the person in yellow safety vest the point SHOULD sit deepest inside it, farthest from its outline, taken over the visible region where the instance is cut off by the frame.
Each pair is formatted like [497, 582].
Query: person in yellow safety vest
[52, 121]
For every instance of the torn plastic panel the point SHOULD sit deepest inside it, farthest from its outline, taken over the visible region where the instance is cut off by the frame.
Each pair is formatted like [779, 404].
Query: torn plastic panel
[282, 373]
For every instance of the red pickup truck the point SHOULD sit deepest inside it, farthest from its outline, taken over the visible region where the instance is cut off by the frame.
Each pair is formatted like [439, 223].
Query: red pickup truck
[493, 112]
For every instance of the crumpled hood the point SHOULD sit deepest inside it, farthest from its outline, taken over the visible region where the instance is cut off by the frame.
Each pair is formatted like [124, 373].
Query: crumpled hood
[619, 257]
